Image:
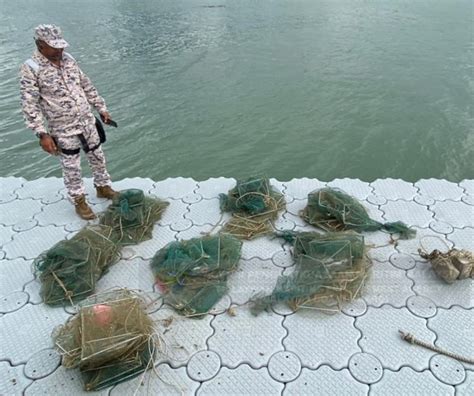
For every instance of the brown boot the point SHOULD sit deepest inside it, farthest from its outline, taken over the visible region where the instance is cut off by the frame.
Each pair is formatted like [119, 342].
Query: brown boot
[83, 209]
[105, 192]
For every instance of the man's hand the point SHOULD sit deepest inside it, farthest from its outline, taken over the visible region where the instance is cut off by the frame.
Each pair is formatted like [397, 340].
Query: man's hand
[48, 145]
[105, 117]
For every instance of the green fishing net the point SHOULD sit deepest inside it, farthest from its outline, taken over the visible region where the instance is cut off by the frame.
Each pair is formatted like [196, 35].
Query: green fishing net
[70, 269]
[132, 216]
[110, 339]
[254, 205]
[330, 269]
[192, 274]
[334, 210]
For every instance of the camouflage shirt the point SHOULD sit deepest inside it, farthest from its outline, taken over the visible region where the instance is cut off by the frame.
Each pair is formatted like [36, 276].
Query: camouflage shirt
[61, 95]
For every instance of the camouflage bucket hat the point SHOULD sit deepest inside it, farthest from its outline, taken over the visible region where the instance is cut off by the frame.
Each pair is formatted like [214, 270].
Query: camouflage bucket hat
[51, 35]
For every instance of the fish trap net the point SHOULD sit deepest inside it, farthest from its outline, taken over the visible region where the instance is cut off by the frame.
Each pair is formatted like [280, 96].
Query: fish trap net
[254, 205]
[110, 339]
[132, 216]
[333, 210]
[330, 270]
[70, 269]
[192, 274]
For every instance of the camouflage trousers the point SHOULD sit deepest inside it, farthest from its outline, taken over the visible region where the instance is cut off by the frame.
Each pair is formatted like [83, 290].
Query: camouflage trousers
[86, 139]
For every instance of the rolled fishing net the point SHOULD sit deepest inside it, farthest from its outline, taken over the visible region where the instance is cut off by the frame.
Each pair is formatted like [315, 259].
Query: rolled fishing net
[132, 216]
[110, 339]
[453, 265]
[254, 205]
[330, 269]
[334, 210]
[69, 270]
[192, 274]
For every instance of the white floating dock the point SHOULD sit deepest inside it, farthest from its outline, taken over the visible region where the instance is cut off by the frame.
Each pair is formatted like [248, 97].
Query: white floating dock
[354, 352]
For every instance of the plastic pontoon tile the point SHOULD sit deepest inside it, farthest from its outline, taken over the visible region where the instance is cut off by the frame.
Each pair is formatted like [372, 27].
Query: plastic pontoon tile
[7, 187]
[410, 382]
[241, 381]
[203, 365]
[284, 366]
[402, 261]
[59, 214]
[173, 212]
[11, 183]
[441, 227]
[192, 198]
[319, 338]
[300, 188]
[376, 200]
[439, 190]
[468, 199]
[463, 238]
[33, 289]
[25, 225]
[355, 187]
[447, 370]
[387, 285]
[212, 187]
[465, 389]
[195, 232]
[380, 245]
[164, 380]
[283, 259]
[254, 276]
[380, 337]
[174, 187]
[42, 363]
[422, 306]
[355, 308]
[30, 244]
[6, 196]
[444, 295]
[245, 338]
[409, 212]
[13, 301]
[144, 184]
[278, 185]
[181, 225]
[182, 337]
[365, 368]
[15, 274]
[327, 381]
[454, 330]
[373, 210]
[62, 382]
[424, 200]
[19, 210]
[426, 239]
[468, 186]
[296, 206]
[263, 247]
[40, 188]
[12, 380]
[133, 274]
[206, 212]
[300, 225]
[394, 189]
[6, 234]
[28, 330]
[458, 214]
[283, 224]
[161, 236]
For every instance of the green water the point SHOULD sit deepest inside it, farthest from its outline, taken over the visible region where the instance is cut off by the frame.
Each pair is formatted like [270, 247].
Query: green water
[316, 88]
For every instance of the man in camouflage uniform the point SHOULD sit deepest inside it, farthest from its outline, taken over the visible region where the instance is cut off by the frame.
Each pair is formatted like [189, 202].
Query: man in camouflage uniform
[53, 87]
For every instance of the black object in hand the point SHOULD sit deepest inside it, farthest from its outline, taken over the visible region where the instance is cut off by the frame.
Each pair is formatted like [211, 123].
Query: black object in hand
[110, 122]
